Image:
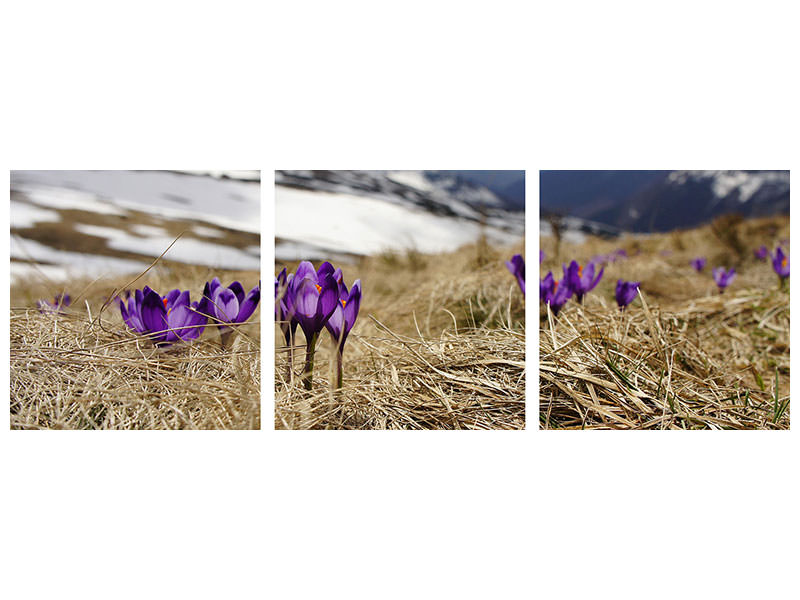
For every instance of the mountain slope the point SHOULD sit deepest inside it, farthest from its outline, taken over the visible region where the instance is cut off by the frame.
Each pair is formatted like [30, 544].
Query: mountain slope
[322, 214]
[646, 201]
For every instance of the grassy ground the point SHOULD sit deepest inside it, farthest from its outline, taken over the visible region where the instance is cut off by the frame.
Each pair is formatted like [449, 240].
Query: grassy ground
[439, 344]
[682, 356]
[86, 370]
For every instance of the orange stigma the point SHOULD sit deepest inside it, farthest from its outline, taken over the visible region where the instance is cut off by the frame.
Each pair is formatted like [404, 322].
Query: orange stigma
[319, 288]
[164, 300]
[344, 302]
[783, 262]
[555, 286]
[580, 271]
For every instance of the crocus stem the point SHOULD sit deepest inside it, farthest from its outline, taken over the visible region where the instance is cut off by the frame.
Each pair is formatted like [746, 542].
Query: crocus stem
[289, 361]
[224, 336]
[308, 373]
[289, 337]
[339, 368]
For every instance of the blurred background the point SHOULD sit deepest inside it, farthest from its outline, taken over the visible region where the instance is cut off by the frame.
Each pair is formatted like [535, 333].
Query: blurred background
[607, 203]
[345, 215]
[72, 224]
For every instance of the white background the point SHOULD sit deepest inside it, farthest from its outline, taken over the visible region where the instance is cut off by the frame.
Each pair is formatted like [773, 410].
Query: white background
[412, 85]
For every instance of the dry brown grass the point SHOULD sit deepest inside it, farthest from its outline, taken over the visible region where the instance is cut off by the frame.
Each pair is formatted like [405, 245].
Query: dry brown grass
[682, 356]
[85, 370]
[439, 344]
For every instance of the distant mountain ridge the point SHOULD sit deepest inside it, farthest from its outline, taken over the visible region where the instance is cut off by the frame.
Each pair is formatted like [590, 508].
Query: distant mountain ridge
[644, 201]
[436, 191]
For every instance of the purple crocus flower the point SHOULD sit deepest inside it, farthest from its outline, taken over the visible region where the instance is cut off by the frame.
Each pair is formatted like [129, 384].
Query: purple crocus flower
[582, 281]
[761, 253]
[165, 320]
[517, 267]
[625, 293]
[546, 287]
[229, 305]
[555, 293]
[722, 277]
[698, 263]
[59, 302]
[280, 290]
[311, 298]
[344, 315]
[780, 263]
[343, 318]
[287, 323]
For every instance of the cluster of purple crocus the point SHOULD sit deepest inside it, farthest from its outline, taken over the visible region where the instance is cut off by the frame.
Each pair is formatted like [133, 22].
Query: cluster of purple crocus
[579, 281]
[57, 306]
[175, 318]
[723, 277]
[316, 300]
[517, 267]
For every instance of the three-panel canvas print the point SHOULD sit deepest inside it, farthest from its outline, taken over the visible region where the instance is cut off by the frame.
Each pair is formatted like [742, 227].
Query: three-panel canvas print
[399, 300]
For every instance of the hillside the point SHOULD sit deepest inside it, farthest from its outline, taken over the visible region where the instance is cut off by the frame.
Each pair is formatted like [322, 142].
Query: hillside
[344, 215]
[84, 369]
[74, 224]
[682, 355]
[439, 344]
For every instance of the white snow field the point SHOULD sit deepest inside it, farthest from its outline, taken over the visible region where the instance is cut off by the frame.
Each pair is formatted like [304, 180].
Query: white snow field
[222, 204]
[227, 203]
[61, 265]
[321, 221]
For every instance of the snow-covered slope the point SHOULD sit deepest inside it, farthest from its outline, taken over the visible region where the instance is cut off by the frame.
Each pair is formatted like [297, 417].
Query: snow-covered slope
[122, 220]
[325, 213]
[223, 202]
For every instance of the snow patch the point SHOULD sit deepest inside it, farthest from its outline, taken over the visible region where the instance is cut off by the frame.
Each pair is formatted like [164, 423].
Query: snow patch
[147, 230]
[25, 215]
[65, 199]
[361, 225]
[230, 203]
[65, 264]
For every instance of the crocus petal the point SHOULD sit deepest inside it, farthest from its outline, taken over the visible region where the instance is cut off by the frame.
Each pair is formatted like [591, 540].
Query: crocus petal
[135, 311]
[352, 304]
[249, 305]
[328, 298]
[226, 304]
[335, 324]
[325, 268]
[214, 284]
[237, 289]
[171, 297]
[125, 314]
[154, 316]
[305, 269]
[182, 321]
[179, 299]
[597, 279]
[306, 298]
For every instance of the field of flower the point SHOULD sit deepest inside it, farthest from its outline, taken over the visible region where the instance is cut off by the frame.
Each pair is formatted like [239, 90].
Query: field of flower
[438, 343]
[682, 354]
[80, 367]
